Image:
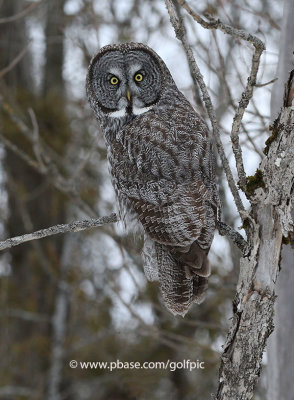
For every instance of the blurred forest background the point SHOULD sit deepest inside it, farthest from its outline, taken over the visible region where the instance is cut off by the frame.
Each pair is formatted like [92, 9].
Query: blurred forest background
[83, 296]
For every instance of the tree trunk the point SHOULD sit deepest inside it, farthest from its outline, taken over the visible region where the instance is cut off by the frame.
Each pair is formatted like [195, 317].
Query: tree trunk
[54, 88]
[15, 41]
[53, 80]
[280, 349]
[267, 223]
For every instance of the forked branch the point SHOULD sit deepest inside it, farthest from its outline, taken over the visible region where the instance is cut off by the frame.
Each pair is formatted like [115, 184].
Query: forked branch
[212, 23]
[177, 23]
[251, 81]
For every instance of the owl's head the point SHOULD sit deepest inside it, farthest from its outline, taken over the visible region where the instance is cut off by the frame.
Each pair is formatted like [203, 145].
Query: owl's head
[125, 79]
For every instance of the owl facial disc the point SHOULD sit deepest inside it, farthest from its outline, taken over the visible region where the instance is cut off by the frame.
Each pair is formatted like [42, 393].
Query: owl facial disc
[125, 83]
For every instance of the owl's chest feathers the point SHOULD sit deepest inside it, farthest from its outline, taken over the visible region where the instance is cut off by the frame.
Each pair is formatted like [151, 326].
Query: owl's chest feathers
[149, 148]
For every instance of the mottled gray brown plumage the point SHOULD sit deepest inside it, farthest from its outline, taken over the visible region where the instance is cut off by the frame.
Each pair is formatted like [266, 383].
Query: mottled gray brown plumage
[162, 167]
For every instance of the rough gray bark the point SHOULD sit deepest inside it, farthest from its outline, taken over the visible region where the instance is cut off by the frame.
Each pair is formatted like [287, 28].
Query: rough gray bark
[280, 349]
[269, 221]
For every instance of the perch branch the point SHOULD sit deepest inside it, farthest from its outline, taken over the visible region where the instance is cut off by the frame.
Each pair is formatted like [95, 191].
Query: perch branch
[235, 236]
[180, 32]
[75, 226]
[78, 226]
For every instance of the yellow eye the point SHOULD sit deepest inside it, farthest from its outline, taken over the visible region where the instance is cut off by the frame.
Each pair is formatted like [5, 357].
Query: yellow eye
[138, 77]
[114, 80]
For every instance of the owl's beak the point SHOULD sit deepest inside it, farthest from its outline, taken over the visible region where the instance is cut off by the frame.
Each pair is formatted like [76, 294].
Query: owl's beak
[128, 95]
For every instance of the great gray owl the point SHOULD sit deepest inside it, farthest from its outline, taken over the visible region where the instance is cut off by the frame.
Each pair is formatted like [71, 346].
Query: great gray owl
[161, 165]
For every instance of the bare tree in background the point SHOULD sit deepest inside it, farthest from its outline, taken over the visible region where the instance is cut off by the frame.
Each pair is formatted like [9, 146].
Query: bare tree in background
[32, 202]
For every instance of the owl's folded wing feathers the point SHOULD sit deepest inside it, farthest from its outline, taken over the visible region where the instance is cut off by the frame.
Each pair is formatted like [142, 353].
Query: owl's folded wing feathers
[167, 178]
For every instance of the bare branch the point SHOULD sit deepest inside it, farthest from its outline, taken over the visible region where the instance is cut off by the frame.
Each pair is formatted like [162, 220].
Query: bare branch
[179, 28]
[258, 85]
[15, 61]
[37, 147]
[20, 153]
[235, 236]
[245, 98]
[21, 14]
[75, 226]
[218, 24]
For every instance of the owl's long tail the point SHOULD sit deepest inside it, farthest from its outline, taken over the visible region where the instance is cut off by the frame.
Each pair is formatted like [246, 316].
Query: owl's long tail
[181, 272]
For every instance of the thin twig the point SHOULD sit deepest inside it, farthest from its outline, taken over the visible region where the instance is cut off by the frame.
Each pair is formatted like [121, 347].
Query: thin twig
[179, 28]
[14, 62]
[245, 98]
[75, 226]
[37, 147]
[21, 14]
[258, 85]
[20, 153]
